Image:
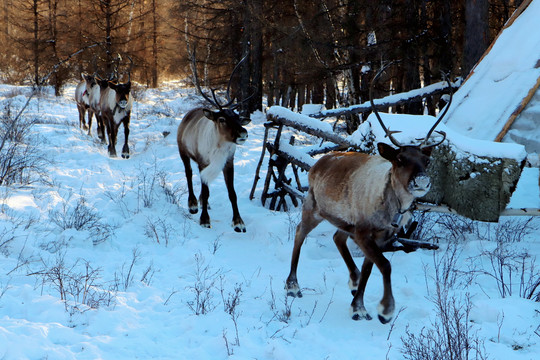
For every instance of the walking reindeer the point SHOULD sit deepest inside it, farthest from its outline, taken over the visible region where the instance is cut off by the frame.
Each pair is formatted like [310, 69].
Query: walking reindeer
[209, 137]
[116, 103]
[368, 198]
[82, 98]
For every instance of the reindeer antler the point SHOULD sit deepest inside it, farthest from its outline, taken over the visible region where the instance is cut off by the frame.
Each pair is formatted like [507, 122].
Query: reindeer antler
[215, 102]
[441, 116]
[196, 80]
[374, 109]
[229, 103]
[130, 67]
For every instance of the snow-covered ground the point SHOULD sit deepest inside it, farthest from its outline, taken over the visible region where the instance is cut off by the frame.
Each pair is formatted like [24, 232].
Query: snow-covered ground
[140, 279]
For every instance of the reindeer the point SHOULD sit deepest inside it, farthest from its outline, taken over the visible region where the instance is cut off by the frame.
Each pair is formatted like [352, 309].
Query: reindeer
[209, 137]
[96, 97]
[368, 198]
[82, 97]
[115, 109]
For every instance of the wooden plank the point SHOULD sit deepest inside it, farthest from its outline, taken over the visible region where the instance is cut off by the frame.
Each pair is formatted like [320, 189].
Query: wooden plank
[258, 169]
[315, 132]
[517, 111]
[443, 209]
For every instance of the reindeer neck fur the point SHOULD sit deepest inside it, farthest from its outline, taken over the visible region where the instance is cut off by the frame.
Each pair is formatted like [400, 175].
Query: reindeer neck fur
[399, 199]
[95, 96]
[204, 144]
[386, 195]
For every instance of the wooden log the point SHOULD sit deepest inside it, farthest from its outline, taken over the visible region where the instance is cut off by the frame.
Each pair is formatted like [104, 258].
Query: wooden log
[335, 138]
[258, 169]
[391, 100]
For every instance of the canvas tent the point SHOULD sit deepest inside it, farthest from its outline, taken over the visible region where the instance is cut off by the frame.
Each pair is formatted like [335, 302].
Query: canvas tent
[500, 99]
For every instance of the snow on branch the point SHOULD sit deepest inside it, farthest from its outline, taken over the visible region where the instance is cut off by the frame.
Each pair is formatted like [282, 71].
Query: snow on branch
[391, 100]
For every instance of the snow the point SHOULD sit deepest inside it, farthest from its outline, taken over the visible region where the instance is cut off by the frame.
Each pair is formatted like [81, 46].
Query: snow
[155, 258]
[500, 82]
[414, 127]
[300, 119]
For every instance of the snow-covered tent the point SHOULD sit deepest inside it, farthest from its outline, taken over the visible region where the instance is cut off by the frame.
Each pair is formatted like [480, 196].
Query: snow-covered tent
[500, 99]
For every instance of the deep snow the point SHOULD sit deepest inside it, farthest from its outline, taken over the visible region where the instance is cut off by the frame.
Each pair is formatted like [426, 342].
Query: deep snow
[148, 310]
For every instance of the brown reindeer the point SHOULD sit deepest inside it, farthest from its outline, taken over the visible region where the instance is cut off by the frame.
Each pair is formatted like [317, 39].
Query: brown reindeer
[368, 198]
[82, 97]
[209, 137]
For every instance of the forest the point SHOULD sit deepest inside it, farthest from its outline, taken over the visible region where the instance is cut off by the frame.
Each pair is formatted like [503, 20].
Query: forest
[317, 51]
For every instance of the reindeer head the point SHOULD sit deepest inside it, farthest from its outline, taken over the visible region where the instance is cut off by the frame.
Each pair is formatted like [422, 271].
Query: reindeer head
[409, 162]
[122, 93]
[229, 123]
[90, 81]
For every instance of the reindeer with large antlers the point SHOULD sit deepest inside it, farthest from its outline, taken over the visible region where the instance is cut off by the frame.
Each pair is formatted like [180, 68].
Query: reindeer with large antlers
[368, 198]
[209, 137]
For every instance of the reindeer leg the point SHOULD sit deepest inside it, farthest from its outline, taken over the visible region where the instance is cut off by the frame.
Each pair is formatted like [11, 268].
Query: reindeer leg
[82, 114]
[340, 239]
[228, 174]
[309, 221]
[113, 131]
[125, 149]
[192, 200]
[90, 114]
[358, 300]
[373, 255]
[100, 128]
[205, 218]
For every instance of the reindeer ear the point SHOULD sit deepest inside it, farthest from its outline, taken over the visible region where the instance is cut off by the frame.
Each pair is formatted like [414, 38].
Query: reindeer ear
[244, 120]
[83, 76]
[387, 151]
[427, 150]
[209, 114]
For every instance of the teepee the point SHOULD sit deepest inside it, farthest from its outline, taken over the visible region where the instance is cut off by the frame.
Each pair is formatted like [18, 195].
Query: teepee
[500, 99]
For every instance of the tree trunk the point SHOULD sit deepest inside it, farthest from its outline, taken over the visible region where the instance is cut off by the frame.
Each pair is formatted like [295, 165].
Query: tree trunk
[245, 71]
[35, 45]
[476, 33]
[318, 93]
[154, 46]
[301, 96]
[330, 93]
[257, 47]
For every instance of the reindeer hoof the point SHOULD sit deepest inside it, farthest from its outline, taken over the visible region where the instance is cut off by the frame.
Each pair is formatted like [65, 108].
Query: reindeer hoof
[239, 227]
[385, 318]
[125, 156]
[293, 290]
[205, 223]
[193, 210]
[294, 293]
[360, 315]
